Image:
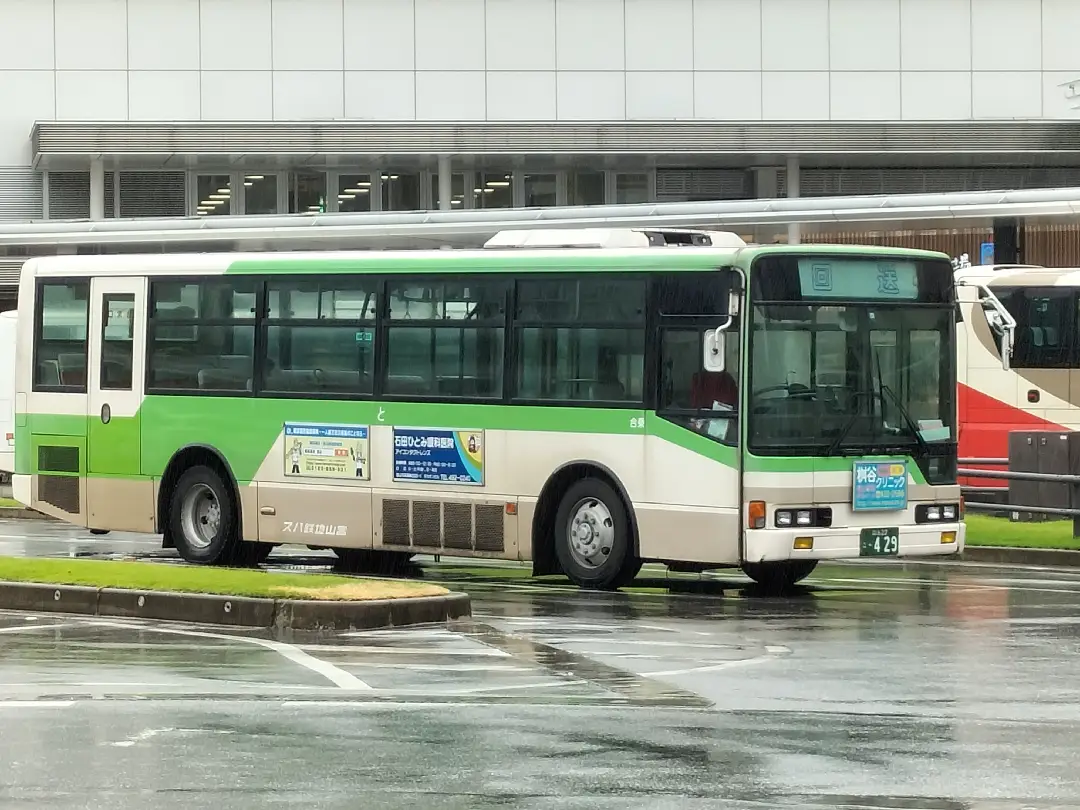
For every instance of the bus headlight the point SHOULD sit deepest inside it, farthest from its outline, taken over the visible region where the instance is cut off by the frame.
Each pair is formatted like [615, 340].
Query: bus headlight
[936, 512]
[803, 518]
[783, 517]
[948, 512]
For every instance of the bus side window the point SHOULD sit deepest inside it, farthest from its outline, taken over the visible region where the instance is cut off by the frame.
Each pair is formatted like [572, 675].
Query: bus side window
[60, 336]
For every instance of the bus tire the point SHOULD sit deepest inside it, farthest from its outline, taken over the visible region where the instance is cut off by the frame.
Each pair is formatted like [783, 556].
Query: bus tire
[202, 518]
[592, 536]
[779, 576]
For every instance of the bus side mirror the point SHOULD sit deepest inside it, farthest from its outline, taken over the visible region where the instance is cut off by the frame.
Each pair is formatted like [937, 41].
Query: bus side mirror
[713, 344]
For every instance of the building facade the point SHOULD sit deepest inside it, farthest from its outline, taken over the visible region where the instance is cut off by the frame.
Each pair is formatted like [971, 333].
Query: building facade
[136, 108]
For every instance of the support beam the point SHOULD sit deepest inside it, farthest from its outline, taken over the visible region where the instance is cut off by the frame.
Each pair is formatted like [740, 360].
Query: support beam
[446, 184]
[794, 232]
[97, 190]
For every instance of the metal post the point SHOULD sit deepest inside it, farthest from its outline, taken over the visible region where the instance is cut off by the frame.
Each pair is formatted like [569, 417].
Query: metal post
[97, 190]
[446, 186]
[794, 233]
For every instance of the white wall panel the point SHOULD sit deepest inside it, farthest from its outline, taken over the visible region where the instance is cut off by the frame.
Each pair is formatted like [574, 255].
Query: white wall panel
[864, 35]
[164, 95]
[91, 34]
[660, 96]
[308, 35]
[1006, 34]
[1061, 95]
[385, 95]
[520, 35]
[795, 96]
[590, 35]
[715, 51]
[379, 35]
[794, 34]
[950, 21]
[936, 96]
[727, 96]
[91, 95]
[25, 96]
[867, 96]
[237, 95]
[521, 96]
[236, 35]
[451, 96]
[163, 35]
[27, 27]
[1001, 94]
[656, 34]
[1061, 35]
[450, 35]
[315, 95]
[591, 95]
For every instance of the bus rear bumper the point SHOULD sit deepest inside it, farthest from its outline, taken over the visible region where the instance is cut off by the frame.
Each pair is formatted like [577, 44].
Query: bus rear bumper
[768, 545]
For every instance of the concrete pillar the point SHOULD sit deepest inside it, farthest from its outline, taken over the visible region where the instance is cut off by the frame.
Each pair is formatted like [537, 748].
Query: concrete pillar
[794, 234]
[446, 184]
[1008, 241]
[766, 182]
[97, 190]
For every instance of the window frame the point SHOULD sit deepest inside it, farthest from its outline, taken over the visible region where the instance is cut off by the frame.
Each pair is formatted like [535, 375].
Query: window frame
[106, 298]
[644, 326]
[263, 322]
[1071, 340]
[39, 319]
[386, 323]
[253, 322]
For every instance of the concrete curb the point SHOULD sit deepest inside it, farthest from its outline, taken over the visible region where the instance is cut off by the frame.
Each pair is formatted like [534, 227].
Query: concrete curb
[1010, 555]
[16, 513]
[236, 611]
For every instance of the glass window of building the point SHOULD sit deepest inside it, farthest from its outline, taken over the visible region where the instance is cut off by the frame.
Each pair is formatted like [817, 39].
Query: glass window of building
[214, 195]
[493, 190]
[539, 190]
[631, 188]
[457, 190]
[354, 192]
[260, 194]
[307, 193]
[400, 192]
[585, 188]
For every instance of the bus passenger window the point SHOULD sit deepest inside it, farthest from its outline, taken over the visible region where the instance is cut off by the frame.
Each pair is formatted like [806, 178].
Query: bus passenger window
[117, 341]
[60, 345]
[202, 335]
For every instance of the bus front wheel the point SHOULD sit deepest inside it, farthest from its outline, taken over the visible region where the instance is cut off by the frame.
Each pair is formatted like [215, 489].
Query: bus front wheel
[202, 517]
[779, 576]
[592, 536]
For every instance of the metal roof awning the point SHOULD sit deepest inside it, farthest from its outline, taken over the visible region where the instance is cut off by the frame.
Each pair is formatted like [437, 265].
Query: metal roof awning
[435, 228]
[177, 142]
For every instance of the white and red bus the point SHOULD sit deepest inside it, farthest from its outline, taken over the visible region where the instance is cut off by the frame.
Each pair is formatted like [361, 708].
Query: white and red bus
[1038, 385]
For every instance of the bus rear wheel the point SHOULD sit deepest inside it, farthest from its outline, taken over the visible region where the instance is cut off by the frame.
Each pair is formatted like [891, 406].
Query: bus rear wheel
[202, 518]
[592, 537]
[779, 576]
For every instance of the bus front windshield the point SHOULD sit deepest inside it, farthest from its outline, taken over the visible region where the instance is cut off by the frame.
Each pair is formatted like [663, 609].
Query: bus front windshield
[840, 378]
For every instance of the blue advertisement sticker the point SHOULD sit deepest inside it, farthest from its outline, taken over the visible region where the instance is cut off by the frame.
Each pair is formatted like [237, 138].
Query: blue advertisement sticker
[879, 485]
[438, 455]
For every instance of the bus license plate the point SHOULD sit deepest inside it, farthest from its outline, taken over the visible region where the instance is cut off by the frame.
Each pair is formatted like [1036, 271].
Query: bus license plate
[879, 542]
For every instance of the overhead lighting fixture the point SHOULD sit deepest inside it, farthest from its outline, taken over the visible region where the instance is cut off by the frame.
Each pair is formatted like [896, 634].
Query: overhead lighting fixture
[254, 177]
[249, 185]
[357, 191]
[499, 183]
[225, 190]
[221, 197]
[346, 196]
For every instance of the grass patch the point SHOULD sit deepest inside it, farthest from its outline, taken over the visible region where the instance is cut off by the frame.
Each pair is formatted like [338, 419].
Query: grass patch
[10, 503]
[986, 530]
[219, 581]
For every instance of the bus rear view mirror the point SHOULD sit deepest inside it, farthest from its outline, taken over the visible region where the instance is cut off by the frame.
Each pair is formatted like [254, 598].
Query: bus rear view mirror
[713, 344]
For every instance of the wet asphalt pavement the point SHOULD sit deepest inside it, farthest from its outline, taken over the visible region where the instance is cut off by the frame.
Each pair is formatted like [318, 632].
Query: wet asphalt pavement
[877, 686]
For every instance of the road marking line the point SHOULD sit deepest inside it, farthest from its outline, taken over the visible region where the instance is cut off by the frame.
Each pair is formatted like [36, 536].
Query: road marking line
[35, 627]
[336, 675]
[140, 737]
[741, 662]
[36, 704]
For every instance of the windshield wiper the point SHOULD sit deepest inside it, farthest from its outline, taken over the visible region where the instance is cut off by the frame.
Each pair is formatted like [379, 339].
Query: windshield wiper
[850, 423]
[912, 425]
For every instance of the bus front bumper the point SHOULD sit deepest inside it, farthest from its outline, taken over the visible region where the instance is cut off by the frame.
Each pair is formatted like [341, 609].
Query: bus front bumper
[923, 540]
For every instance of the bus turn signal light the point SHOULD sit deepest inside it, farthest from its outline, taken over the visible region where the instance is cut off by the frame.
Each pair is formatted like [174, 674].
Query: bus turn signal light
[803, 544]
[948, 537]
[755, 517]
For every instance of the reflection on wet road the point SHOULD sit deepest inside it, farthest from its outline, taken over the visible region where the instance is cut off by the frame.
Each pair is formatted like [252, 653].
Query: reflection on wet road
[915, 686]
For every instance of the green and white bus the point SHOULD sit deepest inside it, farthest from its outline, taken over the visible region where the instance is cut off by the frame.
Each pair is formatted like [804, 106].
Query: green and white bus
[587, 400]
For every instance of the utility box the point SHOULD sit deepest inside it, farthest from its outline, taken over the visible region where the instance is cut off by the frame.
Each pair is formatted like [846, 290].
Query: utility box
[1052, 452]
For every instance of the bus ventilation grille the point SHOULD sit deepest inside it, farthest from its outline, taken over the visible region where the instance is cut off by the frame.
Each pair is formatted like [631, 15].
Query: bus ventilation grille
[434, 524]
[61, 491]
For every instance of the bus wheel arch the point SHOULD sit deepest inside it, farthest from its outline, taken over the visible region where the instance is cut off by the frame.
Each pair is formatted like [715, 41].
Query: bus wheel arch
[186, 458]
[546, 515]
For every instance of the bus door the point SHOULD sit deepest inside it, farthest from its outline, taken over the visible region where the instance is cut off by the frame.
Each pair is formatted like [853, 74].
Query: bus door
[116, 495]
